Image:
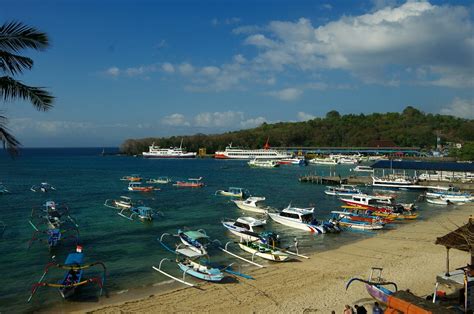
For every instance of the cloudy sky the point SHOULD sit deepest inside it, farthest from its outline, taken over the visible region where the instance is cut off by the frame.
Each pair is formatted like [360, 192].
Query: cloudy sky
[126, 69]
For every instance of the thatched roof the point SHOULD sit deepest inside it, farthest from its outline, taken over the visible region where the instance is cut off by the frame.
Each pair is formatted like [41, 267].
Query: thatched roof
[461, 238]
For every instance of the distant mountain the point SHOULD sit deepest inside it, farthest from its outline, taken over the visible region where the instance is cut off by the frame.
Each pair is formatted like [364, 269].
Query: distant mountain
[409, 128]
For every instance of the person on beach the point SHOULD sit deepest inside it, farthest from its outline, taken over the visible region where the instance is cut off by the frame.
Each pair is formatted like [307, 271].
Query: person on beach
[360, 309]
[376, 309]
[347, 309]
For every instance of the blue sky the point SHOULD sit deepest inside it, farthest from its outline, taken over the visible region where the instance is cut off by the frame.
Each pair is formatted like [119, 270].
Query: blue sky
[127, 69]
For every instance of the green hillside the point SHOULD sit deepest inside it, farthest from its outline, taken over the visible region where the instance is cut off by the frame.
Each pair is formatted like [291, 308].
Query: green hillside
[409, 128]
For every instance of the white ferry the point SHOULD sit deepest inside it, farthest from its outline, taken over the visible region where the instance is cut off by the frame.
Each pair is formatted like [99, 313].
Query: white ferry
[242, 153]
[172, 152]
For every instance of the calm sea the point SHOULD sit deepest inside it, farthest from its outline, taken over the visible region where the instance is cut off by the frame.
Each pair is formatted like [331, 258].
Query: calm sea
[84, 180]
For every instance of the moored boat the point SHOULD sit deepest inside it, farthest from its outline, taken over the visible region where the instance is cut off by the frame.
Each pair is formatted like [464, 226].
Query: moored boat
[172, 152]
[376, 286]
[364, 169]
[251, 204]
[244, 227]
[261, 163]
[195, 240]
[342, 190]
[264, 251]
[132, 178]
[190, 183]
[43, 187]
[234, 192]
[323, 161]
[138, 187]
[266, 152]
[160, 180]
[299, 218]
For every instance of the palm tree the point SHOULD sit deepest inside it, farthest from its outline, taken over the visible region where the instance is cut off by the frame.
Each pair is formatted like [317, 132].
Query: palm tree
[15, 37]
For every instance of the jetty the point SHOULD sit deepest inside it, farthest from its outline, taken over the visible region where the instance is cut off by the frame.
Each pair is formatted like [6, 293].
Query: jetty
[334, 180]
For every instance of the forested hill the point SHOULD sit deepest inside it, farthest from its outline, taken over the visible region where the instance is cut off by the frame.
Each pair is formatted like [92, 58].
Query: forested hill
[409, 128]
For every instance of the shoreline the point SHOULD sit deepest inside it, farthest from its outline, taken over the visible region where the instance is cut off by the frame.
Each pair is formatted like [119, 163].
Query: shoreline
[409, 257]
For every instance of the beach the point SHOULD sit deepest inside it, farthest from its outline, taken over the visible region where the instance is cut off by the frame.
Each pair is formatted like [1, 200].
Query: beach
[407, 254]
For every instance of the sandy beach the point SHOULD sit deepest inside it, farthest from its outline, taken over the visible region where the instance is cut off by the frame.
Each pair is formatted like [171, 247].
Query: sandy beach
[408, 255]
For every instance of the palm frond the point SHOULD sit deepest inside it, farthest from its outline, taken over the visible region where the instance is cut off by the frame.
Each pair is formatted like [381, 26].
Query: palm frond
[9, 141]
[11, 89]
[15, 36]
[13, 64]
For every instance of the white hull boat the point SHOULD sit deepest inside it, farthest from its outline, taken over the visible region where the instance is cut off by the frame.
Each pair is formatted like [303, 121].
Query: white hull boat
[299, 218]
[264, 251]
[251, 205]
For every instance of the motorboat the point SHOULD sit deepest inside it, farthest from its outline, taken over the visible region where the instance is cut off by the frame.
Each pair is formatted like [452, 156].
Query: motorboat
[160, 180]
[190, 183]
[438, 201]
[132, 178]
[234, 192]
[299, 218]
[244, 227]
[138, 187]
[452, 194]
[292, 161]
[342, 190]
[43, 187]
[262, 163]
[251, 204]
[347, 222]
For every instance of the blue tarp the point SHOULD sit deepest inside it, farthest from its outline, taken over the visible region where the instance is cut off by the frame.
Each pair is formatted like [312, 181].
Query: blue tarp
[425, 165]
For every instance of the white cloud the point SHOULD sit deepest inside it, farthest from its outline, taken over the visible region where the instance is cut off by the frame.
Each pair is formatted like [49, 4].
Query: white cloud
[141, 70]
[259, 40]
[317, 85]
[287, 94]
[112, 71]
[326, 6]
[214, 121]
[167, 67]
[186, 68]
[462, 108]
[240, 59]
[210, 70]
[227, 21]
[303, 116]
[175, 119]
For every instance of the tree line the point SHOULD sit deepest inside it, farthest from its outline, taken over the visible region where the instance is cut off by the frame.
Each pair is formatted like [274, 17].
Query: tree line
[410, 128]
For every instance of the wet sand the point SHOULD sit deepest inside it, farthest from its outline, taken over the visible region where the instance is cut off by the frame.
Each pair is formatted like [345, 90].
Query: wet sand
[407, 254]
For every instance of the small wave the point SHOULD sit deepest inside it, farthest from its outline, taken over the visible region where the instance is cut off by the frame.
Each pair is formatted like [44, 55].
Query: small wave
[122, 291]
[161, 283]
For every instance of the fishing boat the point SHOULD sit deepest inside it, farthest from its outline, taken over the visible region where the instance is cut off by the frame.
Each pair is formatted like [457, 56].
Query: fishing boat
[251, 204]
[244, 227]
[3, 189]
[262, 163]
[360, 168]
[438, 201]
[264, 251]
[361, 215]
[375, 285]
[346, 221]
[450, 193]
[342, 190]
[190, 183]
[324, 161]
[52, 215]
[234, 192]
[73, 277]
[132, 178]
[172, 152]
[299, 218]
[43, 187]
[195, 240]
[130, 210]
[138, 187]
[373, 202]
[266, 152]
[160, 180]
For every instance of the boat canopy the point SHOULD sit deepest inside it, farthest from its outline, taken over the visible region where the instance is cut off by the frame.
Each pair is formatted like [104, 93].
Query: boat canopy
[75, 259]
[195, 235]
[251, 221]
[188, 252]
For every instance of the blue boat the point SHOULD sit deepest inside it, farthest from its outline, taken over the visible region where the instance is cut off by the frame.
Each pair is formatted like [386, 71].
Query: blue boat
[195, 240]
[73, 277]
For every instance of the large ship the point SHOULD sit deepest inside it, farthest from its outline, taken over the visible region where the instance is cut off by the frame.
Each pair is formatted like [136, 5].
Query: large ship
[266, 152]
[172, 152]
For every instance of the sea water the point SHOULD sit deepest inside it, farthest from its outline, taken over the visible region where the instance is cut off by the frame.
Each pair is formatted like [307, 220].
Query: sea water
[84, 180]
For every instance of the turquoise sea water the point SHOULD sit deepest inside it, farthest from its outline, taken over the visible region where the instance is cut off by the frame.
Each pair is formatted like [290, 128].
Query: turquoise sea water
[84, 180]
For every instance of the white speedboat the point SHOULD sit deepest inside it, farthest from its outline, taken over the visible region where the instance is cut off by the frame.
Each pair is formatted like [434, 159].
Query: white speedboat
[438, 201]
[261, 163]
[251, 204]
[400, 182]
[243, 227]
[299, 218]
[342, 190]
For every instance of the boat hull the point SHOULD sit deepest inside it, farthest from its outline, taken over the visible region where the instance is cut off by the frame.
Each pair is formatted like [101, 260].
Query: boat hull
[241, 205]
[276, 256]
[296, 224]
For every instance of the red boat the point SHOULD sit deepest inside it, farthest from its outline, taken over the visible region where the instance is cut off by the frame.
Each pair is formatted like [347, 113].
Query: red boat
[191, 183]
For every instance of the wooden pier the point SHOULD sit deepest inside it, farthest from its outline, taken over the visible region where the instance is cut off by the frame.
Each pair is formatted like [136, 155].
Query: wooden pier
[334, 180]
